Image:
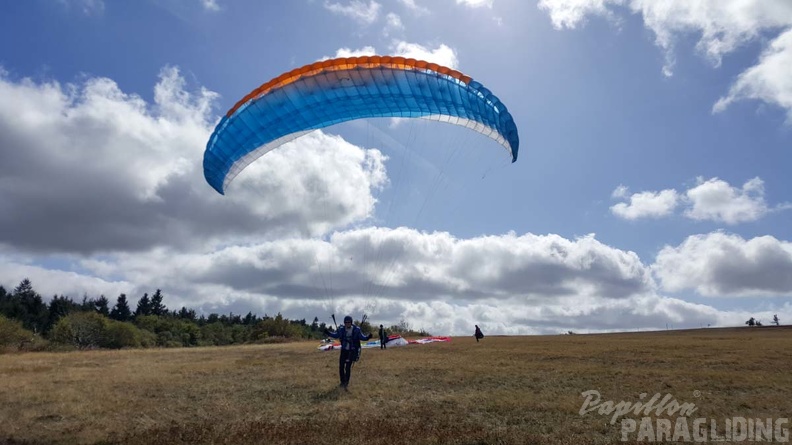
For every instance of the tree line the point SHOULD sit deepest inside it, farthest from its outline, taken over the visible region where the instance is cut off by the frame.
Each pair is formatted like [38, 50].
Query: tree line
[27, 322]
[754, 322]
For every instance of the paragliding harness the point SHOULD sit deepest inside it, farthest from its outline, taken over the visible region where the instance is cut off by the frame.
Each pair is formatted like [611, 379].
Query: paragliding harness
[359, 350]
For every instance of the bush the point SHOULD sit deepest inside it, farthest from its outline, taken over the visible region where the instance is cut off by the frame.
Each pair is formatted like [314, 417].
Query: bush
[275, 327]
[83, 330]
[215, 334]
[148, 339]
[120, 334]
[13, 336]
[169, 332]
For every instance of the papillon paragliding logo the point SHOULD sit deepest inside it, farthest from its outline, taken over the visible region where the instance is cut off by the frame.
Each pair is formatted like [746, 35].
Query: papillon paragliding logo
[661, 418]
[330, 92]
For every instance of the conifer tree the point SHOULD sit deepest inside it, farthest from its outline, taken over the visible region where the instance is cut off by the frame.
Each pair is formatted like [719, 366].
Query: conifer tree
[187, 314]
[5, 302]
[101, 305]
[88, 304]
[121, 311]
[143, 306]
[157, 308]
[29, 307]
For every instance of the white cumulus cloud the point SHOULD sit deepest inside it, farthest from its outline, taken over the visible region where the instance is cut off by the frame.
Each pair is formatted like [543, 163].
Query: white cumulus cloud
[358, 10]
[720, 264]
[644, 204]
[722, 26]
[442, 55]
[88, 167]
[512, 283]
[414, 7]
[210, 5]
[715, 200]
[348, 52]
[392, 23]
[571, 13]
[476, 3]
[770, 80]
[709, 200]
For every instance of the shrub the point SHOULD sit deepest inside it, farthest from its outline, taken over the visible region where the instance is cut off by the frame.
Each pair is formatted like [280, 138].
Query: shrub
[120, 334]
[13, 336]
[83, 330]
[148, 339]
[169, 332]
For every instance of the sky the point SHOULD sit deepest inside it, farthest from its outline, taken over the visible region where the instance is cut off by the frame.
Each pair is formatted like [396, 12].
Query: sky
[651, 190]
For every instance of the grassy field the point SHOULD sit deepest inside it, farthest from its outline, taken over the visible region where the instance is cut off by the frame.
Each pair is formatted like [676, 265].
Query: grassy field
[502, 390]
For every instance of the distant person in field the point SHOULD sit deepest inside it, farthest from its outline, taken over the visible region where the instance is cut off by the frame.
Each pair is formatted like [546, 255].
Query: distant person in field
[383, 338]
[350, 336]
[479, 335]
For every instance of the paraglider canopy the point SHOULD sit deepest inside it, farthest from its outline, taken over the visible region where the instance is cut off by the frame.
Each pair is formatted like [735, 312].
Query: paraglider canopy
[338, 90]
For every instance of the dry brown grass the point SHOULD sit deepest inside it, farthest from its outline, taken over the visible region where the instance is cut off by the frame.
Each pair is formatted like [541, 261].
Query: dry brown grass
[502, 390]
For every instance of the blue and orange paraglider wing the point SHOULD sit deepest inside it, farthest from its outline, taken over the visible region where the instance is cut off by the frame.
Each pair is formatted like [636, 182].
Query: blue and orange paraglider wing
[338, 90]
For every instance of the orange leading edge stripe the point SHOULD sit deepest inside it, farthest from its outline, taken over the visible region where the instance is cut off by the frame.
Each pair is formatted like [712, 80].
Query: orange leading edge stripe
[346, 63]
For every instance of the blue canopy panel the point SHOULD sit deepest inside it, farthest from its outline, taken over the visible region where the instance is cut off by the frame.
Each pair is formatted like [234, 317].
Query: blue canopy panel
[323, 94]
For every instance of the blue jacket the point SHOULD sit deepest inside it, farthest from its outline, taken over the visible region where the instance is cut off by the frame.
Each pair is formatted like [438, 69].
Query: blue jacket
[357, 335]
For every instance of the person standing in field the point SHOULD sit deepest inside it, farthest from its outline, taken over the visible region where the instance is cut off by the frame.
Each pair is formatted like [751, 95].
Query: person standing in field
[350, 336]
[383, 338]
[479, 335]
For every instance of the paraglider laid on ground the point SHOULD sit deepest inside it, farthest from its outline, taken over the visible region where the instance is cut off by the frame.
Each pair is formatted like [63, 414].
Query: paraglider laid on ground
[339, 90]
[393, 340]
